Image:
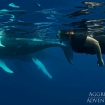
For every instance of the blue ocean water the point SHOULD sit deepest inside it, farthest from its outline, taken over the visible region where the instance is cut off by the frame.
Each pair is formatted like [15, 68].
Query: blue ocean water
[70, 84]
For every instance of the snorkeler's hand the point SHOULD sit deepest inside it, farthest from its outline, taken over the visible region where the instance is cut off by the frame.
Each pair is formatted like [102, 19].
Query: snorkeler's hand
[100, 63]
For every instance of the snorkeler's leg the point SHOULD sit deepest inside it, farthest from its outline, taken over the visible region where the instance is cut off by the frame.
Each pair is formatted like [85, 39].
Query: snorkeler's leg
[91, 42]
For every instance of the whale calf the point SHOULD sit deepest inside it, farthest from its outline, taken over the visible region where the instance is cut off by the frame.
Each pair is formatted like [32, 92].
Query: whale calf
[17, 47]
[11, 47]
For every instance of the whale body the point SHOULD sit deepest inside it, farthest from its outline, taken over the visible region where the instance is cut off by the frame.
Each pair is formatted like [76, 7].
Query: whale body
[22, 46]
[17, 47]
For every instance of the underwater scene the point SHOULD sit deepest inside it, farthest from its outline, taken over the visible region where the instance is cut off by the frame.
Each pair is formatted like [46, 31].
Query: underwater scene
[52, 52]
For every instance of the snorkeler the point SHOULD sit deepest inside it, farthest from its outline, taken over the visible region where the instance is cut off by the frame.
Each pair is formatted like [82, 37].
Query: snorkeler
[81, 42]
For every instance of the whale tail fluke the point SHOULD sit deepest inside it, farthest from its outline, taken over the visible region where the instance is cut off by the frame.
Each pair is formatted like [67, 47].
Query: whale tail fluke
[67, 49]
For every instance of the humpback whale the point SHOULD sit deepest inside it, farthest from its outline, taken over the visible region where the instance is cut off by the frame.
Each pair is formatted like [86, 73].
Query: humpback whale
[16, 47]
[11, 47]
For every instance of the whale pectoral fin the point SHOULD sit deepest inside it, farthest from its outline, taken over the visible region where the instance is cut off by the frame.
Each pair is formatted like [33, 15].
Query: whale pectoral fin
[1, 33]
[68, 52]
[41, 67]
[1, 45]
[4, 67]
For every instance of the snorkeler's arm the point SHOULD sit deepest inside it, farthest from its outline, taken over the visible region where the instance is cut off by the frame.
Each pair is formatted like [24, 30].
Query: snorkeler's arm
[91, 42]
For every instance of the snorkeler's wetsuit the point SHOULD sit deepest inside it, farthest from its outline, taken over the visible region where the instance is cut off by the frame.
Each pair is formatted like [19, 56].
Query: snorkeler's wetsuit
[78, 40]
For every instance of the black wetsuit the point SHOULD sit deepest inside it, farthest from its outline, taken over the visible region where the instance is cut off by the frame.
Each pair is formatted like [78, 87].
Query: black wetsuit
[78, 40]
